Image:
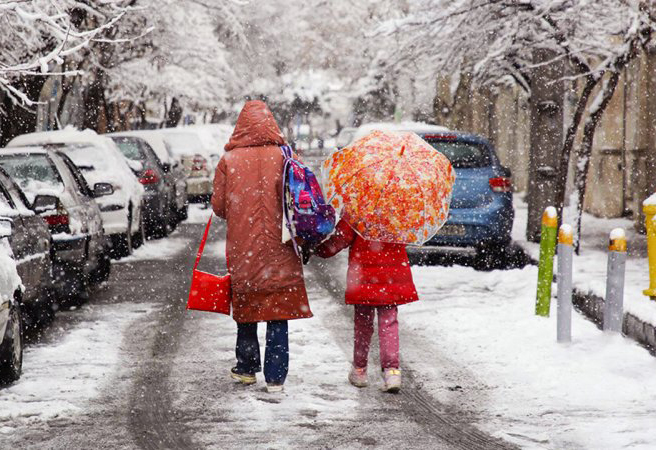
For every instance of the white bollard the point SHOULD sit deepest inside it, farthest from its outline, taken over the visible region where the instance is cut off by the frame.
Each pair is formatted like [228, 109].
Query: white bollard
[614, 301]
[564, 293]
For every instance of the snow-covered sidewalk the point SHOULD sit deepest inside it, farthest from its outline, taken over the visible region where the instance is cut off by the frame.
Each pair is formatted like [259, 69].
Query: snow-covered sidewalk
[598, 392]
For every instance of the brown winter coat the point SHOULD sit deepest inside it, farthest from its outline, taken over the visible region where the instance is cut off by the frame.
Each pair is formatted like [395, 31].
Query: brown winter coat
[266, 275]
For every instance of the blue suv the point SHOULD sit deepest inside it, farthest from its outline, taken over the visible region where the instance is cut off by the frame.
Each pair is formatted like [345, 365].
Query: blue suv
[481, 213]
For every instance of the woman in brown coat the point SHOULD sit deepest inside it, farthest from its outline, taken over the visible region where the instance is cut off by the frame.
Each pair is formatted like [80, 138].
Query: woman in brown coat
[267, 276]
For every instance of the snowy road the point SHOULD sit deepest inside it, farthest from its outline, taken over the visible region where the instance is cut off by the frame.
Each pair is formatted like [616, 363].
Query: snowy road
[133, 369]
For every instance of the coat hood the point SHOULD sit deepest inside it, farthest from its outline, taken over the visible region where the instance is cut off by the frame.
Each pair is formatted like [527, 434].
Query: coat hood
[255, 127]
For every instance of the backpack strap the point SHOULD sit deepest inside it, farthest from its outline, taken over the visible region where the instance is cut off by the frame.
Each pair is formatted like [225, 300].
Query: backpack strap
[287, 159]
[201, 248]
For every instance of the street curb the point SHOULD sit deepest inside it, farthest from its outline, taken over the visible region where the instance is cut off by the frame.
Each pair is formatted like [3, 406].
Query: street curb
[592, 307]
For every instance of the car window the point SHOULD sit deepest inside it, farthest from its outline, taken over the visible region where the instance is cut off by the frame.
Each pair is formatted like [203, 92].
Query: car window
[130, 148]
[34, 172]
[148, 150]
[81, 183]
[463, 155]
[5, 200]
[15, 193]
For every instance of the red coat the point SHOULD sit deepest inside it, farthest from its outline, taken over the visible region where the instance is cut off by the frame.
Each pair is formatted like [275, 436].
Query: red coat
[378, 273]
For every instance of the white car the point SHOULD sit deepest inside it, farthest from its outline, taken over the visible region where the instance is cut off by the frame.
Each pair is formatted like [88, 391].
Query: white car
[214, 137]
[11, 326]
[100, 161]
[417, 127]
[196, 161]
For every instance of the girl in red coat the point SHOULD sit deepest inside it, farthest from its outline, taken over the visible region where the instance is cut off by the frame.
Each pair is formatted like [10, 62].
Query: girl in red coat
[378, 280]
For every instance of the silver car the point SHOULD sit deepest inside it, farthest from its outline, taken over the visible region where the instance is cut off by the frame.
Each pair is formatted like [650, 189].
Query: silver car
[59, 193]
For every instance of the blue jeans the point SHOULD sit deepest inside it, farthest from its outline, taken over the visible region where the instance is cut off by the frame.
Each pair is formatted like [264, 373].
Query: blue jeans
[276, 357]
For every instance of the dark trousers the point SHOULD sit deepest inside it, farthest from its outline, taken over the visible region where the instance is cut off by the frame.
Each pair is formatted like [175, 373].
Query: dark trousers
[276, 357]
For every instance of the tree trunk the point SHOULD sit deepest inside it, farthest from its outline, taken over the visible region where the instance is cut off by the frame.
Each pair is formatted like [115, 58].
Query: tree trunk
[17, 119]
[568, 144]
[546, 110]
[585, 152]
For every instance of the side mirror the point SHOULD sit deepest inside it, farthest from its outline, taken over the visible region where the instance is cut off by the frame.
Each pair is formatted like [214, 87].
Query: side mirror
[166, 167]
[5, 228]
[102, 189]
[43, 203]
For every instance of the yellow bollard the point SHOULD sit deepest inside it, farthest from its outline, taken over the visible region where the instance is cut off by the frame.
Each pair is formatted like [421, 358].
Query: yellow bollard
[649, 208]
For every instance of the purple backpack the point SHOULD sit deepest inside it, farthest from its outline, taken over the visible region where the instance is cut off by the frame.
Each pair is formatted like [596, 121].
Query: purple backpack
[306, 213]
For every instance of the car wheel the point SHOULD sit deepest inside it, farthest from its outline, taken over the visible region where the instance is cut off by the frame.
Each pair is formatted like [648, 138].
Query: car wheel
[162, 228]
[139, 238]
[41, 312]
[124, 247]
[183, 213]
[11, 349]
[492, 256]
[101, 274]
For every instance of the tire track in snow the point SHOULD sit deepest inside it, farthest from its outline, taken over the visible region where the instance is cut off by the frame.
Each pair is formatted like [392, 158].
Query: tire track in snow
[445, 422]
[153, 422]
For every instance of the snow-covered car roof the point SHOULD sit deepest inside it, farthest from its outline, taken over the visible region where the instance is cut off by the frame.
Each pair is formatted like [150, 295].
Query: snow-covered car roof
[65, 136]
[27, 149]
[214, 136]
[184, 142]
[416, 127]
[110, 167]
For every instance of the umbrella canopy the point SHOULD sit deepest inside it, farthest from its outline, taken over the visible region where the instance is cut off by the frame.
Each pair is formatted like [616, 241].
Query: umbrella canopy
[390, 186]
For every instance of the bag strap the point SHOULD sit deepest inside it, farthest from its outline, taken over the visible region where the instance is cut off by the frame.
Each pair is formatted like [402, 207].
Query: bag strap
[202, 242]
[287, 159]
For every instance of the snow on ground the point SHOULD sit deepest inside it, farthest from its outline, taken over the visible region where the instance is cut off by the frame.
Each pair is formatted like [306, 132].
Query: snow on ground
[54, 384]
[598, 392]
[159, 249]
[216, 249]
[198, 213]
[317, 398]
[590, 266]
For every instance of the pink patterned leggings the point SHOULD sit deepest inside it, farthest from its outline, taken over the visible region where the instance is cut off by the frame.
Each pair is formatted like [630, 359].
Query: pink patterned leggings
[388, 335]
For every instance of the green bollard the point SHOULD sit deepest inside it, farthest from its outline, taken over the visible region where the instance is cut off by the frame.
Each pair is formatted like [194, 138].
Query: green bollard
[545, 267]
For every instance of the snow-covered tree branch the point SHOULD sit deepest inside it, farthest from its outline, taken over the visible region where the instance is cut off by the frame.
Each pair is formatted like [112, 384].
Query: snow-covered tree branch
[491, 40]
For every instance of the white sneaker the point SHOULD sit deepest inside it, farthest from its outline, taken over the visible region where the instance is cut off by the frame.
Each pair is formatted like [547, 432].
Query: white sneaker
[392, 380]
[358, 377]
[274, 388]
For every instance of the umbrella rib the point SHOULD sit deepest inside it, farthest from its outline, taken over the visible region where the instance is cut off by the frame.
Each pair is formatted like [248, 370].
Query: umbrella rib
[423, 197]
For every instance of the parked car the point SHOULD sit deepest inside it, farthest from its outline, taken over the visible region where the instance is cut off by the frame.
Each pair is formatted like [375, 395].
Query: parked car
[481, 213]
[214, 137]
[345, 137]
[30, 244]
[101, 162]
[59, 193]
[11, 325]
[159, 214]
[196, 162]
[171, 165]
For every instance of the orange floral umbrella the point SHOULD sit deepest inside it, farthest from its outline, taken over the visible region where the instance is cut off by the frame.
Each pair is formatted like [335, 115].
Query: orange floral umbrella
[390, 186]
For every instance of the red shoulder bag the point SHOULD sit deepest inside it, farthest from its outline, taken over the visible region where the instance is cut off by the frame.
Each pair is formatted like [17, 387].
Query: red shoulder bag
[208, 292]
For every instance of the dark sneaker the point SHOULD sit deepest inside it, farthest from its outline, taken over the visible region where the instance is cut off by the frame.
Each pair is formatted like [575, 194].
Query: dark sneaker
[243, 378]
